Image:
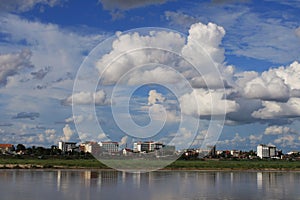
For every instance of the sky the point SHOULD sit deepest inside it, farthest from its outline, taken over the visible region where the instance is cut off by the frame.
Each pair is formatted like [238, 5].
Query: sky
[186, 73]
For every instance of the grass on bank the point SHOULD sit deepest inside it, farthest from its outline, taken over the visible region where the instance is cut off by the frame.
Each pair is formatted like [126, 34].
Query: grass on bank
[177, 165]
[235, 164]
[50, 163]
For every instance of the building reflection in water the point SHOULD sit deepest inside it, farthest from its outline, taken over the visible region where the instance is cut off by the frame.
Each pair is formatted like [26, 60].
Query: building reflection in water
[267, 180]
[259, 180]
[88, 178]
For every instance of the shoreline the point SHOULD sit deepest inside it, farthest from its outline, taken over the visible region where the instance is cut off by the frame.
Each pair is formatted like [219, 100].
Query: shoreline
[61, 167]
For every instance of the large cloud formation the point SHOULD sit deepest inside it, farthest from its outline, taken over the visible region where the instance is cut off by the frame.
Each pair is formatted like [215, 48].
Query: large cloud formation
[130, 45]
[38, 62]
[278, 84]
[245, 97]
[269, 95]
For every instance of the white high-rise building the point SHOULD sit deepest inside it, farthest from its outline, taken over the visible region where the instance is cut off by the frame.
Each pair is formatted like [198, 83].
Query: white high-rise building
[265, 151]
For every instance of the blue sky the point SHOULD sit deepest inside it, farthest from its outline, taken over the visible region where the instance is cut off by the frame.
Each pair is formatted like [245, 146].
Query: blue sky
[253, 45]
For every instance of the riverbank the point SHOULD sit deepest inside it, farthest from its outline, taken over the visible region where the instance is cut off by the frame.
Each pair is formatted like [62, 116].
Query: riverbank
[268, 165]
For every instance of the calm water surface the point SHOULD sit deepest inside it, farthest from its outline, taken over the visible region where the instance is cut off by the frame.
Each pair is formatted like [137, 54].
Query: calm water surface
[93, 184]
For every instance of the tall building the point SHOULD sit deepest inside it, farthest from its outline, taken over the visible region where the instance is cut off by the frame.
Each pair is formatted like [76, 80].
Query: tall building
[266, 151]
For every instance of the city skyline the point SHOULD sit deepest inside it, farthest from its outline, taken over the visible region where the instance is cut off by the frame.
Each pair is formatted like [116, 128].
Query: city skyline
[254, 46]
[136, 147]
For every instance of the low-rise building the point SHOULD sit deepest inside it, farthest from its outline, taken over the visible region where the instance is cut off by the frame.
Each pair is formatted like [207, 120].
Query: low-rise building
[66, 146]
[208, 152]
[166, 150]
[6, 148]
[293, 153]
[90, 147]
[109, 147]
[148, 146]
[126, 152]
[235, 153]
[137, 147]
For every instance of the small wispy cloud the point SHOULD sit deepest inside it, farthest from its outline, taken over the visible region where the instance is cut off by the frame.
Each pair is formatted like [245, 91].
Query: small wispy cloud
[27, 115]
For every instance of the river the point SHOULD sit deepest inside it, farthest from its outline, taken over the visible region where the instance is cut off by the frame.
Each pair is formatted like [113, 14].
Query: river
[164, 185]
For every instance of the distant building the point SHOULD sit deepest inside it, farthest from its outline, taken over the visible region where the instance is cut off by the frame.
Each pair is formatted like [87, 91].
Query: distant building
[266, 151]
[126, 152]
[109, 147]
[293, 152]
[6, 148]
[66, 146]
[235, 153]
[137, 147]
[191, 153]
[166, 150]
[90, 147]
[272, 150]
[158, 145]
[210, 152]
[148, 146]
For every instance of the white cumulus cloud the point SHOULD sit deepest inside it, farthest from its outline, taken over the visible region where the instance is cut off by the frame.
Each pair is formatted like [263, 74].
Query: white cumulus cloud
[68, 133]
[208, 38]
[273, 110]
[134, 51]
[82, 98]
[267, 88]
[286, 140]
[277, 84]
[206, 103]
[75, 119]
[154, 97]
[278, 130]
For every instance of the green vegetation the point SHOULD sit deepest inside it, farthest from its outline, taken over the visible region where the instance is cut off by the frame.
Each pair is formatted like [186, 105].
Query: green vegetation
[51, 163]
[236, 164]
[21, 162]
